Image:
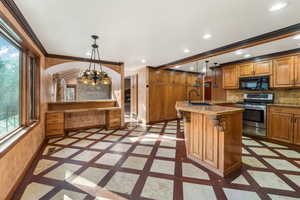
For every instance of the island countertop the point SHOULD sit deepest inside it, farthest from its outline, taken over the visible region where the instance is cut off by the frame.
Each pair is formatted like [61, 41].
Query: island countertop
[212, 109]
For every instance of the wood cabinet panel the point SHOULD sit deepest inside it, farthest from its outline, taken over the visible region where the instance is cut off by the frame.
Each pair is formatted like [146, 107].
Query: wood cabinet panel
[283, 72]
[262, 68]
[196, 135]
[296, 129]
[55, 123]
[230, 78]
[280, 126]
[297, 71]
[210, 143]
[246, 69]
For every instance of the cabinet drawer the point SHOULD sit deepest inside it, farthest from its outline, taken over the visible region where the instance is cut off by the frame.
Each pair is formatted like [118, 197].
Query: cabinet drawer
[55, 132]
[55, 126]
[284, 109]
[57, 115]
[55, 120]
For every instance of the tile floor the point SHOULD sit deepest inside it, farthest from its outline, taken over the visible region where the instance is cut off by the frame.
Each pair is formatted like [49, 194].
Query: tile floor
[145, 163]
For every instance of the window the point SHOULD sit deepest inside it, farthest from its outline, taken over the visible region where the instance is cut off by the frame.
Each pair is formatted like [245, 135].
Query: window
[10, 57]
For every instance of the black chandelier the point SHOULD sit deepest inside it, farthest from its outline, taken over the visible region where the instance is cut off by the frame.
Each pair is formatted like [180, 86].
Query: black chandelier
[92, 76]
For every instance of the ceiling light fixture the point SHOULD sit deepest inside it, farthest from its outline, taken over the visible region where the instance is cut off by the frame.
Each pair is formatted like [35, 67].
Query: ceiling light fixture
[92, 76]
[278, 6]
[186, 51]
[296, 37]
[239, 52]
[247, 55]
[206, 36]
[143, 61]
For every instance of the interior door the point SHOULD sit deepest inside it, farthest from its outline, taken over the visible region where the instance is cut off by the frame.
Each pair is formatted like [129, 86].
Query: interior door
[284, 72]
[207, 92]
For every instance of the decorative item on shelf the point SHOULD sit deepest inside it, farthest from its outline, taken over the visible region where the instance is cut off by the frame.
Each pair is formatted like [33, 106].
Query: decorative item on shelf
[92, 76]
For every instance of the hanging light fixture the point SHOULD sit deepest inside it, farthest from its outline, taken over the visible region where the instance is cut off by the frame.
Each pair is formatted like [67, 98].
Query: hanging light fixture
[92, 76]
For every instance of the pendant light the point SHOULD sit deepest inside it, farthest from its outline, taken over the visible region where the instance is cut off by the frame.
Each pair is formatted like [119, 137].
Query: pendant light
[92, 75]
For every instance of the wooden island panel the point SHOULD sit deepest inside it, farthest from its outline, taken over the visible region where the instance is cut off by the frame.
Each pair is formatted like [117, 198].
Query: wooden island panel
[213, 140]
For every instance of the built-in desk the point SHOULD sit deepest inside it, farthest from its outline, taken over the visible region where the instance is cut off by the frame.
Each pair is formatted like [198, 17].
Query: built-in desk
[66, 116]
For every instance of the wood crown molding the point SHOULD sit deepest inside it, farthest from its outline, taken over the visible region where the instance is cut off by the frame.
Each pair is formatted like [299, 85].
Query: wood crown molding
[15, 11]
[263, 57]
[73, 58]
[250, 42]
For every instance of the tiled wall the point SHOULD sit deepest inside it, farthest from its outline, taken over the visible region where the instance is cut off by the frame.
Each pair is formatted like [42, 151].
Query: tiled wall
[288, 96]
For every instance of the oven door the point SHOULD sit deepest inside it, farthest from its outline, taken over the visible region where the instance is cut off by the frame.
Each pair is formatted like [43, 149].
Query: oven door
[255, 116]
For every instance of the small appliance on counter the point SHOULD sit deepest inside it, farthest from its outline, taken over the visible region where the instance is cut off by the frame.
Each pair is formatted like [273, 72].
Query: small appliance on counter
[255, 114]
[255, 83]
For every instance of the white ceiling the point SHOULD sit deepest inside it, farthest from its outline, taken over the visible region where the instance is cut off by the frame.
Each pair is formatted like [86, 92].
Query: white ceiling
[259, 50]
[157, 30]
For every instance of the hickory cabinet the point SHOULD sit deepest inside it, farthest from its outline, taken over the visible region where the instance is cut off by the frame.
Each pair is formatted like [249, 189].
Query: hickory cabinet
[255, 69]
[284, 72]
[230, 77]
[284, 124]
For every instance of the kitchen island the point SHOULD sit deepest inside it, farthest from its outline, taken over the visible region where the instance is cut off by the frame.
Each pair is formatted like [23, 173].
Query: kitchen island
[213, 135]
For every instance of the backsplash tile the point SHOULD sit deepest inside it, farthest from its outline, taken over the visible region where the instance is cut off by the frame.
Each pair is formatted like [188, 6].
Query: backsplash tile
[282, 96]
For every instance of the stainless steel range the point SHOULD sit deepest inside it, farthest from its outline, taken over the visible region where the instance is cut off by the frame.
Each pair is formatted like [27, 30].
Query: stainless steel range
[255, 114]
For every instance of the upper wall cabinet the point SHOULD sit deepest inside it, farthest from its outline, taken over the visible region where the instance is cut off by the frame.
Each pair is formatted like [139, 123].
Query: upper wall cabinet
[246, 69]
[262, 68]
[297, 71]
[284, 72]
[255, 69]
[230, 77]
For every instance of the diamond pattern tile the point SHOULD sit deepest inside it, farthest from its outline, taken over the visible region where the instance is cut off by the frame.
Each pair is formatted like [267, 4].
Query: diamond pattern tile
[149, 162]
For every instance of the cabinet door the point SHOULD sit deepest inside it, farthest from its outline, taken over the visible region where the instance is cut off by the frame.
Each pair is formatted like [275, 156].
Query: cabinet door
[297, 129]
[262, 68]
[280, 126]
[297, 71]
[230, 79]
[246, 69]
[196, 135]
[210, 143]
[283, 72]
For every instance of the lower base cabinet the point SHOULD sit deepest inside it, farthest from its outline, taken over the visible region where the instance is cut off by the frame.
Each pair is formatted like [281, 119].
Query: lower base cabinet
[284, 124]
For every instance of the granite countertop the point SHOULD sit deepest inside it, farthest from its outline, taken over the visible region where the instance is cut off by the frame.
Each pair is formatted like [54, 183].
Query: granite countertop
[209, 110]
[285, 105]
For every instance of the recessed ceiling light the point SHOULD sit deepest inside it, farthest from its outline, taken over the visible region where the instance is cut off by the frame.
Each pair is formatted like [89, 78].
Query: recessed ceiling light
[88, 53]
[239, 52]
[296, 37]
[278, 6]
[206, 36]
[177, 66]
[247, 55]
[143, 61]
[186, 51]
[192, 68]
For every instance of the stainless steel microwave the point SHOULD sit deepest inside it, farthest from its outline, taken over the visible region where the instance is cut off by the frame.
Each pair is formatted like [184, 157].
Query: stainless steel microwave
[255, 83]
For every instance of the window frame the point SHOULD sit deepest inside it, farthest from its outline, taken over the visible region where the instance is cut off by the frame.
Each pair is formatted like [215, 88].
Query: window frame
[16, 45]
[24, 123]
